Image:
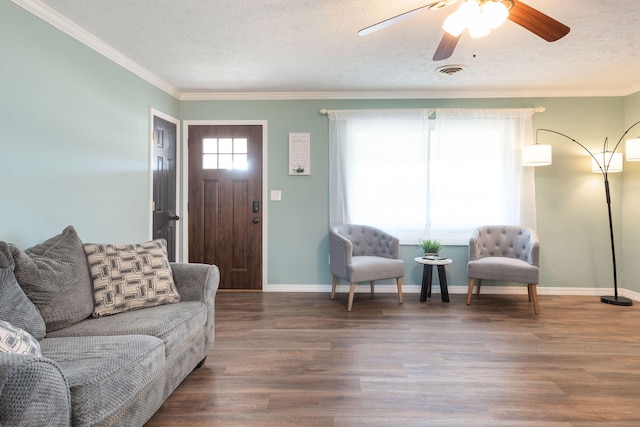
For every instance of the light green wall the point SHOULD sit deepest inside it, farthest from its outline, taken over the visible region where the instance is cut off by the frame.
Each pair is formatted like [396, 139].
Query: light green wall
[74, 139]
[571, 204]
[572, 210]
[74, 132]
[631, 216]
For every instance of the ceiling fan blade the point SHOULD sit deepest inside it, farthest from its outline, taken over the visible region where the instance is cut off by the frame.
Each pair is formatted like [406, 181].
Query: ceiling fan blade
[399, 18]
[537, 22]
[446, 47]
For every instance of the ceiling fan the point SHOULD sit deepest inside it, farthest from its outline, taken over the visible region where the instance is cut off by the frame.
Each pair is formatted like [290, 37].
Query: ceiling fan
[479, 17]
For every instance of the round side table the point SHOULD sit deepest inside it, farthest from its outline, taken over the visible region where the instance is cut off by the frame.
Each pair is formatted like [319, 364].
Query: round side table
[427, 276]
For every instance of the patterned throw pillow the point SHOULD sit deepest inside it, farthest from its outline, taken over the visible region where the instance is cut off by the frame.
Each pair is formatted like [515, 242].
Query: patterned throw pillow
[128, 277]
[15, 340]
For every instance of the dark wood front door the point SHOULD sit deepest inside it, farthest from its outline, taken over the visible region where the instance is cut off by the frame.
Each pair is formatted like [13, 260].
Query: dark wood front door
[225, 202]
[164, 183]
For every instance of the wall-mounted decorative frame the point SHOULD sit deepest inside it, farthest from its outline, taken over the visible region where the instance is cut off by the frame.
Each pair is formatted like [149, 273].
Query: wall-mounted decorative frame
[299, 154]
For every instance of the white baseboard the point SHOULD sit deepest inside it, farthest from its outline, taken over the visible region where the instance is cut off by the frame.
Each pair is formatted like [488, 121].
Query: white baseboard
[415, 289]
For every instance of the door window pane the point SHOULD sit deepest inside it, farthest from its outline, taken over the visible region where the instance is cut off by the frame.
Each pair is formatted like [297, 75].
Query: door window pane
[240, 161]
[225, 145]
[210, 145]
[225, 153]
[225, 161]
[240, 145]
[209, 161]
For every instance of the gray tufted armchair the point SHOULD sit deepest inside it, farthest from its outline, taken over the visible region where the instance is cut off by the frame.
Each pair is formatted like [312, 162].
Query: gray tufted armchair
[360, 253]
[505, 253]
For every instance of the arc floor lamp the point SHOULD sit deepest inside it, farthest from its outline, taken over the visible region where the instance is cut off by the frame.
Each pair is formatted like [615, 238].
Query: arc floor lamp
[607, 161]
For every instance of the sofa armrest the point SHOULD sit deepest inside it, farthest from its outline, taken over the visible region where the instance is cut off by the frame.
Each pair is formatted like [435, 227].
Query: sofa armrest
[33, 392]
[199, 282]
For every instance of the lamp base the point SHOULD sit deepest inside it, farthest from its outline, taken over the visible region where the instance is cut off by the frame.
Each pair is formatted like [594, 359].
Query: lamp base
[616, 300]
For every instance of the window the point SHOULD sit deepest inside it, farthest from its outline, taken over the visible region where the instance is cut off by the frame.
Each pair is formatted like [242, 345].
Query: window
[224, 153]
[417, 177]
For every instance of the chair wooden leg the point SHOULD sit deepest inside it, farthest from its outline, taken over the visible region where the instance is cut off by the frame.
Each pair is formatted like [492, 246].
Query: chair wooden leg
[334, 283]
[352, 291]
[470, 291]
[372, 286]
[534, 297]
[399, 282]
[479, 284]
[529, 292]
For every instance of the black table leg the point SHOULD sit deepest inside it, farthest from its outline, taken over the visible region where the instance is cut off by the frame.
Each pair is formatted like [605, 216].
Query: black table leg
[426, 282]
[444, 290]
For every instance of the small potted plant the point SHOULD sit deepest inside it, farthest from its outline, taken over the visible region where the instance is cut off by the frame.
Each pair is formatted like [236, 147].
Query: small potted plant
[430, 247]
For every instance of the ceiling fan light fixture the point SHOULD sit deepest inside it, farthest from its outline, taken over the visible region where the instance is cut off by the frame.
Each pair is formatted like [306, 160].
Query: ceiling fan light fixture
[479, 28]
[454, 24]
[494, 13]
[478, 19]
[467, 13]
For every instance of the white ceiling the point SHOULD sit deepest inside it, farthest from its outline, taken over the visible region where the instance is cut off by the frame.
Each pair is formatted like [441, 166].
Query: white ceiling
[234, 48]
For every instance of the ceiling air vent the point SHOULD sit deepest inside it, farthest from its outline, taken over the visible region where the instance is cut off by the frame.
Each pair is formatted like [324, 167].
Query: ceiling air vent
[450, 70]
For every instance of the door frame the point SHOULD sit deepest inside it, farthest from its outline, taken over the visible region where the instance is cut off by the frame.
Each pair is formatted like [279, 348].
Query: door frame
[156, 113]
[185, 183]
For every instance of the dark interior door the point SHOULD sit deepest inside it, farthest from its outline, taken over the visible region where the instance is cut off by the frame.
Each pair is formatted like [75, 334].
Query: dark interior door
[225, 202]
[164, 183]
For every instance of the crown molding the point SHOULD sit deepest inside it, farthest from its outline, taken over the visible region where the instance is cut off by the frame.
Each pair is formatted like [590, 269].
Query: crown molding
[417, 94]
[63, 24]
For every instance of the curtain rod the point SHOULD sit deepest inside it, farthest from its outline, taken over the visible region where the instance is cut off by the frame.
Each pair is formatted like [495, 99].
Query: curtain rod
[324, 111]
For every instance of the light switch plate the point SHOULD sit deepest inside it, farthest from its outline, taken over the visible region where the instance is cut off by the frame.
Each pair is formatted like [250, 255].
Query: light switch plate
[276, 195]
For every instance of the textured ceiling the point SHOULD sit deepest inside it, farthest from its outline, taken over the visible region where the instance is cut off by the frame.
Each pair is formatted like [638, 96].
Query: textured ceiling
[289, 46]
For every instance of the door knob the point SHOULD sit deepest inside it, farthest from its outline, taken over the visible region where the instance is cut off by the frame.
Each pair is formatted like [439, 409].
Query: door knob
[256, 220]
[174, 218]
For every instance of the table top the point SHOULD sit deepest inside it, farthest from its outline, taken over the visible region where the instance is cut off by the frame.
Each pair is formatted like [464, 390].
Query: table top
[433, 260]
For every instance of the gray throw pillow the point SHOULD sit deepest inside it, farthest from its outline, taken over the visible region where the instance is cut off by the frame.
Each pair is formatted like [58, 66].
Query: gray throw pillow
[15, 307]
[55, 276]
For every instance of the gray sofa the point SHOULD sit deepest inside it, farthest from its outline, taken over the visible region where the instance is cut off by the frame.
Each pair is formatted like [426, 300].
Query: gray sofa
[92, 368]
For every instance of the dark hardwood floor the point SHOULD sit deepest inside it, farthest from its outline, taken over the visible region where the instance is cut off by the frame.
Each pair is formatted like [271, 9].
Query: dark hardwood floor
[302, 360]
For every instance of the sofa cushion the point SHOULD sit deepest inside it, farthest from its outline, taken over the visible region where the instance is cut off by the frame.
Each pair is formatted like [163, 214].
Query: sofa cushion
[175, 324]
[15, 307]
[34, 392]
[55, 277]
[107, 374]
[15, 340]
[503, 269]
[127, 277]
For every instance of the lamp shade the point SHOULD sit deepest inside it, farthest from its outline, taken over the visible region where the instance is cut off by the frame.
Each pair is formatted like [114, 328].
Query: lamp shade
[614, 160]
[536, 155]
[633, 150]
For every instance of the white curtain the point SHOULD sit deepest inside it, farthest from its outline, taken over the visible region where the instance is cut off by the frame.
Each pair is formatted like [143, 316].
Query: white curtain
[376, 160]
[477, 174]
[417, 178]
